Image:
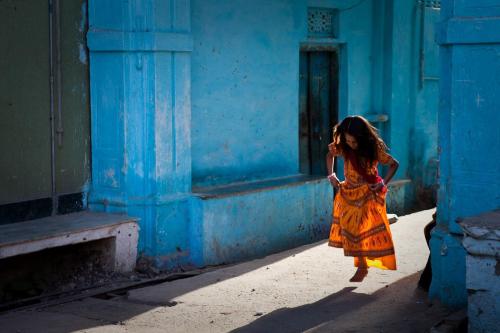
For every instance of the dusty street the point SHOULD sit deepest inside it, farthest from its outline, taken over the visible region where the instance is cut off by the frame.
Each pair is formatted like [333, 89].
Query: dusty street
[303, 289]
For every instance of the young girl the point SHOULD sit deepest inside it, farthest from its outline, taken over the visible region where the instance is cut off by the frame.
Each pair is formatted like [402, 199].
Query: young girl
[360, 224]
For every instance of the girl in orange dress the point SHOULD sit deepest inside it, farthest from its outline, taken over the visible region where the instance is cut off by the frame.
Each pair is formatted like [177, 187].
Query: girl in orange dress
[360, 224]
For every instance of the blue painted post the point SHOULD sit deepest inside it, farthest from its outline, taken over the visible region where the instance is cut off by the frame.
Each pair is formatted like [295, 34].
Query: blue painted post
[469, 139]
[140, 55]
[398, 95]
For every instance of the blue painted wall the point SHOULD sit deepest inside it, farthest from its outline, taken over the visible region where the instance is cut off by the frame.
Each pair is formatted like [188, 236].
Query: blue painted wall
[187, 94]
[424, 132]
[245, 89]
[245, 83]
[469, 139]
[390, 67]
[140, 113]
[253, 224]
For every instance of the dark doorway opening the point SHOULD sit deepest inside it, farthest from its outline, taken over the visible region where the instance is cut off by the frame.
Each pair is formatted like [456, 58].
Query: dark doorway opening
[318, 108]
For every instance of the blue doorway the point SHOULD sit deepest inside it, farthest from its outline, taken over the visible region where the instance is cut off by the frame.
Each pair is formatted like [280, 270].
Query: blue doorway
[318, 108]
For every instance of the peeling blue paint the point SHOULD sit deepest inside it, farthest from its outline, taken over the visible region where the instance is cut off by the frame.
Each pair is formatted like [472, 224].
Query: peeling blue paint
[82, 49]
[82, 54]
[469, 145]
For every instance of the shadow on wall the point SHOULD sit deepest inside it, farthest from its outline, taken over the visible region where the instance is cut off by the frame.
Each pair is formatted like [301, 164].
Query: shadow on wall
[424, 173]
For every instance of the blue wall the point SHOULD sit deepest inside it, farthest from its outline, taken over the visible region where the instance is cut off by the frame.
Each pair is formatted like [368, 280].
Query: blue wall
[245, 84]
[140, 113]
[355, 36]
[424, 133]
[469, 139]
[390, 66]
[255, 223]
[245, 89]
[206, 93]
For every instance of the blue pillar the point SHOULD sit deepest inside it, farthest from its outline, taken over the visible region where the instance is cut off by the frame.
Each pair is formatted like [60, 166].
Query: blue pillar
[469, 138]
[400, 43]
[140, 56]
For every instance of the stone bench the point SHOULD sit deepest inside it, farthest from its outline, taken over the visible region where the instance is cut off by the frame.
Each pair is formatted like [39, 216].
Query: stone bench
[57, 231]
[482, 243]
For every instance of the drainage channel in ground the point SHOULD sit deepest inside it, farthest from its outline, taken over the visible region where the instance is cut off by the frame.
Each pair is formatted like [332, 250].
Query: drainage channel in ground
[107, 291]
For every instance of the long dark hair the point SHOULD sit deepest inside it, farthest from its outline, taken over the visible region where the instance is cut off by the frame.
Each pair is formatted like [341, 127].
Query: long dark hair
[369, 141]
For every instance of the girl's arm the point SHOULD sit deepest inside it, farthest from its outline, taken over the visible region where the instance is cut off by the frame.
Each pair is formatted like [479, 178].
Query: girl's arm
[332, 152]
[329, 163]
[332, 177]
[386, 159]
[393, 167]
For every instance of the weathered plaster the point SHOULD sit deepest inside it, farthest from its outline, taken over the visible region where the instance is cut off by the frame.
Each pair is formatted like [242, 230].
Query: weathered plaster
[37, 235]
[469, 147]
[482, 243]
[206, 92]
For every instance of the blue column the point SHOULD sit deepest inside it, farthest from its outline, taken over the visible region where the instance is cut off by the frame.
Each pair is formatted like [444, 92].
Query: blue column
[469, 138]
[140, 55]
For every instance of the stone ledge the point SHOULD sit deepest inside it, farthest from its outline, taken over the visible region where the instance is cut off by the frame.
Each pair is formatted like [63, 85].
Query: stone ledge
[211, 192]
[483, 247]
[56, 231]
[254, 186]
[393, 218]
[484, 226]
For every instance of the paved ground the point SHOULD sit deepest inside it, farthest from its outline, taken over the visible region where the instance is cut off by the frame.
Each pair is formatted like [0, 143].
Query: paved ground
[304, 289]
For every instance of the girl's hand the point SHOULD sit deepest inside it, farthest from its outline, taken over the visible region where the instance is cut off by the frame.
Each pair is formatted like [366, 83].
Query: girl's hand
[376, 187]
[334, 180]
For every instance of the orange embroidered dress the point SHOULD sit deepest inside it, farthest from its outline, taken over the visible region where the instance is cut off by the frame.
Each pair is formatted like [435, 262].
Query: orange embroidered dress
[360, 224]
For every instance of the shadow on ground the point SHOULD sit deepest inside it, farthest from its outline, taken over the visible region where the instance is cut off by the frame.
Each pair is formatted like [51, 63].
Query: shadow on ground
[398, 307]
[92, 312]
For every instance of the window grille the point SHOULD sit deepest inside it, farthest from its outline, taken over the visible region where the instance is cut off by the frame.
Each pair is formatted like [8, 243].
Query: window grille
[436, 4]
[322, 22]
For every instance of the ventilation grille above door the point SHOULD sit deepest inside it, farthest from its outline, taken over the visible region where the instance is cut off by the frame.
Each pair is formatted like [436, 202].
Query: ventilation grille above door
[322, 22]
[430, 3]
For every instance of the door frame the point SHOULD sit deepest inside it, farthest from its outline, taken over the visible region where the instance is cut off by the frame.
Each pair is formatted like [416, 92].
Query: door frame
[339, 47]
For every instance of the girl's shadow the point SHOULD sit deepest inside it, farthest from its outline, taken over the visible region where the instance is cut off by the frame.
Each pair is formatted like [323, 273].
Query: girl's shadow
[398, 307]
[304, 317]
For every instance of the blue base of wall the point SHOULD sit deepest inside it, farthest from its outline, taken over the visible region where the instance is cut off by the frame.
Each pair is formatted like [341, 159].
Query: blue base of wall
[400, 197]
[448, 268]
[230, 224]
[227, 224]
[256, 223]
[233, 223]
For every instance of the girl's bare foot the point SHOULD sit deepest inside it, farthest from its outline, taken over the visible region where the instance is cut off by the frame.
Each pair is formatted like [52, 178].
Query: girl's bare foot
[360, 274]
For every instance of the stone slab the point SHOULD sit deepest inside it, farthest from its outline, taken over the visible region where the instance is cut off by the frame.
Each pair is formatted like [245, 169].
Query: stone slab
[481, 247]
[483, 226]
[482, 273]
[254, 186]
[60, 225]
[50, 232]
[484, 311]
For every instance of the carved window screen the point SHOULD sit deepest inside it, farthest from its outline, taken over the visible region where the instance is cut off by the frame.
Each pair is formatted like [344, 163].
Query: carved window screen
[322, 22]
